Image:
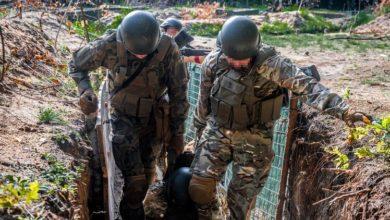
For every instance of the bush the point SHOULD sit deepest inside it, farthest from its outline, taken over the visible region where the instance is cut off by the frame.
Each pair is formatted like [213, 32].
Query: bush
[315, 24]
[360, 19]
[276, 28]
[205, 30]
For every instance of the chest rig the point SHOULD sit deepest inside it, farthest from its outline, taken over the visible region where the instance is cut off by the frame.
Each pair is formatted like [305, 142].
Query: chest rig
[240, 101]
[135, 85]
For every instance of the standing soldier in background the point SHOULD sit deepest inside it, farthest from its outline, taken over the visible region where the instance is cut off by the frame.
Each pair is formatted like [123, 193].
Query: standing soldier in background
[144, 64]
[241, 93]
[173, 28]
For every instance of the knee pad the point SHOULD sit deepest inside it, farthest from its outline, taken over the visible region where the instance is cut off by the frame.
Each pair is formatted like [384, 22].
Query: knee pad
[134, 191]
[201, 189]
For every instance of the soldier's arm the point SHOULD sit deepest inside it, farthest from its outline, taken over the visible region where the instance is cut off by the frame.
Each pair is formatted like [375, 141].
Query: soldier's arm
[206, 83]
[89, 58]
[177, 92]
[282, 71]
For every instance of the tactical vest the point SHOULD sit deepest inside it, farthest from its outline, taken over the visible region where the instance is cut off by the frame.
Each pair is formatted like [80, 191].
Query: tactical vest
[139, 97]
[234, 101]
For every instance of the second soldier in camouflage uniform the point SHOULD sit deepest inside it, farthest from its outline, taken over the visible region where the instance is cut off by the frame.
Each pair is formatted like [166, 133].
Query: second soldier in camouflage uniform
[144, 64]
[241, 93]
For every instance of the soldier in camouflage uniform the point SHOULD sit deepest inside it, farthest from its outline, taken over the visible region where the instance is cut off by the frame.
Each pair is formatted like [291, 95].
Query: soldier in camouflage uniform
[241, 94]
[143, 65]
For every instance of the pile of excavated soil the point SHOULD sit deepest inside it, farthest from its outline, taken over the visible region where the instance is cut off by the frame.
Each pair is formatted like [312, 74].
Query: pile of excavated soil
[378, 27]
[318, 190]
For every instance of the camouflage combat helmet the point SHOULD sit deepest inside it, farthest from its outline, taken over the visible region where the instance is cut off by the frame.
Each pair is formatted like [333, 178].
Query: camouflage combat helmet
[239, 38]
[172, 22]
[140, 32]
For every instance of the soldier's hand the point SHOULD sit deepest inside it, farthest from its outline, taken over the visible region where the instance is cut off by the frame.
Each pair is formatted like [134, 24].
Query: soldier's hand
[351, 117]
[88, 102]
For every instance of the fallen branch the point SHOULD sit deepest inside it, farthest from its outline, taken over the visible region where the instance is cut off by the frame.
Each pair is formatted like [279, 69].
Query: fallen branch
[337, 170]
[349, 194]
[3, 55]
[360, 38]
[21, 82]
[60, 24]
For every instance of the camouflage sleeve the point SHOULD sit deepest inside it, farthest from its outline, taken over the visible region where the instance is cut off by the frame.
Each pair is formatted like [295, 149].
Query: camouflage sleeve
[206, 83]
[95, 54]
[177, 92]
[282, 71]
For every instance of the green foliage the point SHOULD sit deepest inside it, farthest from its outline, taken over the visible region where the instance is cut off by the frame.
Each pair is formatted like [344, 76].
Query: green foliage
[15, 190]
[204, 29]
[59, 175]
[276, 28]
[360, 18]
[315, 23]
[376, 136]
[118, 19]
[341, 160]
[293, 7]
[60, 138]
[347, 93]
[50, 116]
[363, 152]
[94, 28]
[384, 10]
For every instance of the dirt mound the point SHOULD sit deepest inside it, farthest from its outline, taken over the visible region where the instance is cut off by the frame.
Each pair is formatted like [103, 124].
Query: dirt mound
[321, 191]
[378, 27]
[41, 133]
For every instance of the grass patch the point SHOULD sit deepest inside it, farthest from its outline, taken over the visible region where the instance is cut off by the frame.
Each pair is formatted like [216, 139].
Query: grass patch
[61, 138]
[50, 116]
[315, 23]
[277, 28]
[204, 29]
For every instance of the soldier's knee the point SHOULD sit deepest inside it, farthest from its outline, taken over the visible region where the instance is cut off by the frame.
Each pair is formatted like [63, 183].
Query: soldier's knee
[135, 189]
[201, 189]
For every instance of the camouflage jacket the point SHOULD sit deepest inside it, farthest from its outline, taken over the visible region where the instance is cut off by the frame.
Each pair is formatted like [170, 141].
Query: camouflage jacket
[279, 72]
[171, 73]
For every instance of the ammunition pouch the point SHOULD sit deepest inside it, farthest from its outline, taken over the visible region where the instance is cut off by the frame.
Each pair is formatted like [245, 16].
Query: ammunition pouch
[132, 105]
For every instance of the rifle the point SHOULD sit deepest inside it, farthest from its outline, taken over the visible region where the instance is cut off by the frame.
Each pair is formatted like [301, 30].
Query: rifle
[188, 52]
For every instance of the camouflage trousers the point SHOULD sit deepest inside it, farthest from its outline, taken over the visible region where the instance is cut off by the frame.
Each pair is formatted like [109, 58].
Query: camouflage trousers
[135, 152]
[251, 154]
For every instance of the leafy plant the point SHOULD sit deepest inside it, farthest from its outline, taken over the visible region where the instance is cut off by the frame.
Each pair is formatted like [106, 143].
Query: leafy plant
[378, 139]
[341, 160]
[347, 93]
[50, 116]
[277, 28]
[58, 174]
[60, 138]
[205, 29]
[15, 190]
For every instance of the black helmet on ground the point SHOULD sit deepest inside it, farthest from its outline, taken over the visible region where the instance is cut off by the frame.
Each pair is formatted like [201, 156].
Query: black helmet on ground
[178, 188]
[140, 32]
[173, 23]
[239, 38]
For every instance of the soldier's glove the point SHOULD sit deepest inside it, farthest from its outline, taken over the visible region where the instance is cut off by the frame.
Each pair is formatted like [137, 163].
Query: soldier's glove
[351, 117]
[88, 102]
